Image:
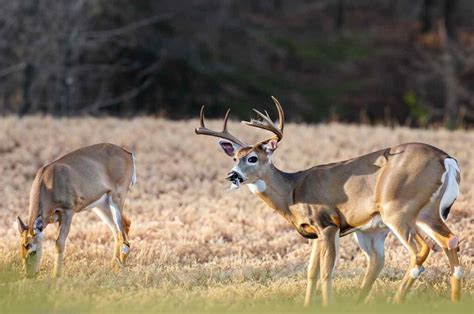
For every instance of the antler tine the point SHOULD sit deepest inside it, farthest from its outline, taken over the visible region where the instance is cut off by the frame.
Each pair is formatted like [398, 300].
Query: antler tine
[226, 118]
[203, 130]
[281, 114]
[266, 123]
[264, 117]
[201, 117]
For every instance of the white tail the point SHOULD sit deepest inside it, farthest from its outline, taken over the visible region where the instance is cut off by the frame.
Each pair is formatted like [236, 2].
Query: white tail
[134, 175]
[450, 186]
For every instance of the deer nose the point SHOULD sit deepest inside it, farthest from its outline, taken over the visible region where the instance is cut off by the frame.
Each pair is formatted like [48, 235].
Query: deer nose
[234, 176]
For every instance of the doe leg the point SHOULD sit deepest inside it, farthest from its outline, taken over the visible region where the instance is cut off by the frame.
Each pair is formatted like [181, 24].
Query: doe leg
[105, 215]
[65, 220]
[122, 235]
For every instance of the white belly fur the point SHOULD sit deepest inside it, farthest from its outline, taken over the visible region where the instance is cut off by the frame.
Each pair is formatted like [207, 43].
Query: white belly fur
[101, 202]
[375, 222]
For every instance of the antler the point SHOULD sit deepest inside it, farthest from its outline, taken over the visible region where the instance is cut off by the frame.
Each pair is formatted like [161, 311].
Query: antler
[266, 122]
[203, 130]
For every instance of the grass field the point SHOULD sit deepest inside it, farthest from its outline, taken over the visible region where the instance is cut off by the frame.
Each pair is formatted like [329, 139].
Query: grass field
[196, 246]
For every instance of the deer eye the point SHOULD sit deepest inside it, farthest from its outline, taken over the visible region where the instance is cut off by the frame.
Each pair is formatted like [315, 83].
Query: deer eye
[252, 159]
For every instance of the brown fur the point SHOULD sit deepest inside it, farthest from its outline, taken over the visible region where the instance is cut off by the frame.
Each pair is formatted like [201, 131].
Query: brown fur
[70, 184]
[126, 223]
[396, 184]
[348, 194]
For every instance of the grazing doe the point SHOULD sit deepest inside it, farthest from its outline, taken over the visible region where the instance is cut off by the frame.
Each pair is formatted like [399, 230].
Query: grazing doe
[96, 177]
[404, 189]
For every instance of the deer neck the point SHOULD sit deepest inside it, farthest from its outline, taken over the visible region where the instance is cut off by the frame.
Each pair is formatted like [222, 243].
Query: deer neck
[275, 188]
[36, 204]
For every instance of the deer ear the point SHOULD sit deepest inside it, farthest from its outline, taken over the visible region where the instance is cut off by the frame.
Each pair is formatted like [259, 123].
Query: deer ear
[20, 225]
[38, 225]
[228, 147]
[270, 146]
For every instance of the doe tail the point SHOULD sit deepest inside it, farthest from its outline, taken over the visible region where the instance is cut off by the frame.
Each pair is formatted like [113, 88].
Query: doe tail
[133, 181]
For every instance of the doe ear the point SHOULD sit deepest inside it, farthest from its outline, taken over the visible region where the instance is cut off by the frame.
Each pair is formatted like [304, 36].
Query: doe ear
[20, 225]
[38, 225]
[228, 147]
[270, 146]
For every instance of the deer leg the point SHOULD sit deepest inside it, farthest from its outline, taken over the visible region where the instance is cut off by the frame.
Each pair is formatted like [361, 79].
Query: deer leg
[456, 273]
[126, 229]
[313, 271]
[372, 243]
[122, 235]
[65, 220]
[418, 249]
[328, 254]
[105, 215]
[442, 235]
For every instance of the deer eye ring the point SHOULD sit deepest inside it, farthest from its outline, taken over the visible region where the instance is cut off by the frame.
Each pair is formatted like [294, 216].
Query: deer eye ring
[252, 159]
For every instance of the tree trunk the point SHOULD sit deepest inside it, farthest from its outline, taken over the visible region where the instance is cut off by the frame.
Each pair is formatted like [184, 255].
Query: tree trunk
[450, 80]
[426, 16]
[66, 80]
[28, 74]
[339, 16]
[449, 10]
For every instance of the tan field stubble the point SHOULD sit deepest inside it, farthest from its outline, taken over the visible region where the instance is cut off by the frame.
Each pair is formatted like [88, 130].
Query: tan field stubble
[190, 237]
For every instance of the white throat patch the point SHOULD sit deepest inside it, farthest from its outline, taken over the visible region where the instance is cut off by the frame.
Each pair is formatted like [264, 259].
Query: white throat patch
[258, 186]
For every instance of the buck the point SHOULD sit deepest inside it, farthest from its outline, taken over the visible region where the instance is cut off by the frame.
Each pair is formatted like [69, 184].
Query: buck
[403, 189]
[96, 177]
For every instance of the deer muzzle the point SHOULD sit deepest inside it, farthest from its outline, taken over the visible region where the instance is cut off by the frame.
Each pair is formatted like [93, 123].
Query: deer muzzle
[235, 178]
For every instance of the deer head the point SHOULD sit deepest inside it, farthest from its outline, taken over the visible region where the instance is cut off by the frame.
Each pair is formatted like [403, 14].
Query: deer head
[252, 161]
[31, 245]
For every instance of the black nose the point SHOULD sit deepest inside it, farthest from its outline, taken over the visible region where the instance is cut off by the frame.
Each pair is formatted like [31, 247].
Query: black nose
[234, 176]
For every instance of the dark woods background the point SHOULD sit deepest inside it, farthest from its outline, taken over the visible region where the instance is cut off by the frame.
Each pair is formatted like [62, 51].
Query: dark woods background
[394, 61]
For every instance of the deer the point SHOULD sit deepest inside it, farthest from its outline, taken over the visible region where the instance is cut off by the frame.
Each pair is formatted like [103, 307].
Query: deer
[406, 189]
[96, 178]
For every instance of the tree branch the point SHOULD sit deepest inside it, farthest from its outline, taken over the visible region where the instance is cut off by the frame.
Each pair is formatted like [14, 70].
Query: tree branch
[12, 69]
[130, 27]
[117, 100]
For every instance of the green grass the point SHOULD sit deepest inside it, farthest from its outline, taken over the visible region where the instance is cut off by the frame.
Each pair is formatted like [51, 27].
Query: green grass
[53, 297]
[118, 293]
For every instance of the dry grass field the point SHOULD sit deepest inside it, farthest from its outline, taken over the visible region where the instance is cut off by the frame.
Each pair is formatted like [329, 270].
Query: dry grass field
[196, 246]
